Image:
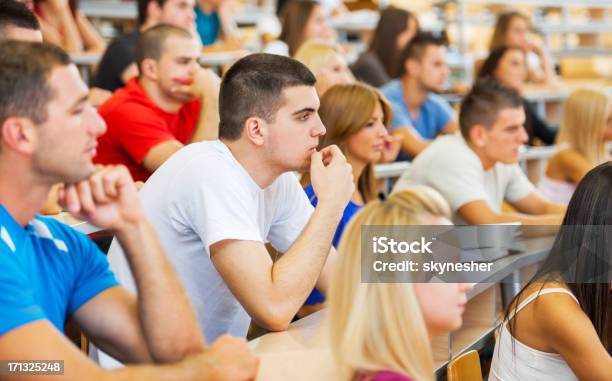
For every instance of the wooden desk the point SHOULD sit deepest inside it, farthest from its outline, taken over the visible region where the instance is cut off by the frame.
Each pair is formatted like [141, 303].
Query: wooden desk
[303, 351]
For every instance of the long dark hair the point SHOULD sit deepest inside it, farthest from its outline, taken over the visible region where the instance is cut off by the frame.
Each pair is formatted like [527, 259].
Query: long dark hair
[490, 64]
[581, 255]
[294, 18]
[384, 43]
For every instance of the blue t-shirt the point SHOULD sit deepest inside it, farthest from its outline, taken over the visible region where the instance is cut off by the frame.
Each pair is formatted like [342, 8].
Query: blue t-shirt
[350, 210]
[434, 115]
[47, 271]
[208, 26]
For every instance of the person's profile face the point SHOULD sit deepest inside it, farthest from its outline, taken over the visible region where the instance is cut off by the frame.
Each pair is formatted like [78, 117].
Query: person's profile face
[404, 37]
[317, 26]
[333, 72]
[442, 305]
[433, 68]
[293, 136]
[511, 69]
[503, 141]
[517, 33]
[179, 13]
[67, 140]
[367, 145]
[177, 64]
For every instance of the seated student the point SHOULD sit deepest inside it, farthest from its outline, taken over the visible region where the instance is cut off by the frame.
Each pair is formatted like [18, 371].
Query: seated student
[361, 135]
[398, 349]
[118, 64]
[49, 273]
[586, 128]
[381, 62]
[301, 20]
[173, 102]
[63, 25]
[477, 171]
[326, 61]
[238, 193]
[559, 325]
[214, 22]
[512, 29]
[17, 22]
[507, 66]
[419, 114]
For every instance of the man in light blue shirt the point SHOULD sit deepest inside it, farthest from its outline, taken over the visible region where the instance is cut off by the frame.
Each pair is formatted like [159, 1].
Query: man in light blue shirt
[419, 114]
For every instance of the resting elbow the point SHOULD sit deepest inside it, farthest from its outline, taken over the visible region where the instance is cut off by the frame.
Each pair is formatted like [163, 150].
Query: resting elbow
[274, 320]
[175, 350]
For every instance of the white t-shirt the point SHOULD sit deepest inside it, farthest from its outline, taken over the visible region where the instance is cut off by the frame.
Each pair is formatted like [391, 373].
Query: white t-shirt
[451, 167]
[200, 196]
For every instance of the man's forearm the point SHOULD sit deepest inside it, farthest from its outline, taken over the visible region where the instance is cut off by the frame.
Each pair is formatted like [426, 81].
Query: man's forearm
[208, 123]
[167, 318]
[296, 272]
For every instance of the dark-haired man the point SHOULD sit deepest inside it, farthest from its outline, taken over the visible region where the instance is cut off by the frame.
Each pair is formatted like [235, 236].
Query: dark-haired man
[17, 22]
[478, 171]
[216, 203]
[118, 65]
[419, 114]
[50, 273]
[172, 102]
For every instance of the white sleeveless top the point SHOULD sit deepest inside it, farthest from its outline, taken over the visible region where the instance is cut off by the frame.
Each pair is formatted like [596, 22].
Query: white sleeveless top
[556, 190]
[526, 363]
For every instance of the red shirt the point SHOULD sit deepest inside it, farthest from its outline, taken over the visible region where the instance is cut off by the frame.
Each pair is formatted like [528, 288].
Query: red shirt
[135, 125]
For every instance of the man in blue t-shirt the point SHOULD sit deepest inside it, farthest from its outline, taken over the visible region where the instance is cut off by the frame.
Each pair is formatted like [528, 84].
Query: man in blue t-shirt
[50, 273]
[419, 114]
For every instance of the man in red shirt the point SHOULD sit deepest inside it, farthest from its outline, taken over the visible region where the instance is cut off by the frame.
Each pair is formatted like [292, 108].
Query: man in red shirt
[173, 102]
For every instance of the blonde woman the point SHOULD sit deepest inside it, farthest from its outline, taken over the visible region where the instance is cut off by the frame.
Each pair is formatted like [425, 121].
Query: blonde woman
[356, 117]
[381, 331]
[327, 63]
[586, 128]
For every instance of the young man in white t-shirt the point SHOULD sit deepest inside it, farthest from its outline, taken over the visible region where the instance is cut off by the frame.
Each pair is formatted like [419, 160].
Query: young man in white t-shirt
[476, 172]
[215, 204]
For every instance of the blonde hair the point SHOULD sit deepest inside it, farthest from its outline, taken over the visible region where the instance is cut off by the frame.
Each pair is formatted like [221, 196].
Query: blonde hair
[584, 120]
[316, 53]
[345, 110]
[379, 326]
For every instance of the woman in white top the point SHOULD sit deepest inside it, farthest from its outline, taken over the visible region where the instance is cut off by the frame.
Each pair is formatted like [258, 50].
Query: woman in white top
[559, 327]
[584, 133]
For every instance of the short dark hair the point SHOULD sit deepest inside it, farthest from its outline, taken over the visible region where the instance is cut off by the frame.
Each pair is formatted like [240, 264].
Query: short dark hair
[24, 78]
[253, 86]
[483, 103]
[142, 9]
[16, 14]
[151, 42]
[392, 22]
[416, 48]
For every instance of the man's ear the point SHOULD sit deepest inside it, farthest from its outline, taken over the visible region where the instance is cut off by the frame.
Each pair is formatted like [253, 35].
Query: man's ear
[478, 135]
[19, 134]
[255, 129]
[412, 66]
[148, 68]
